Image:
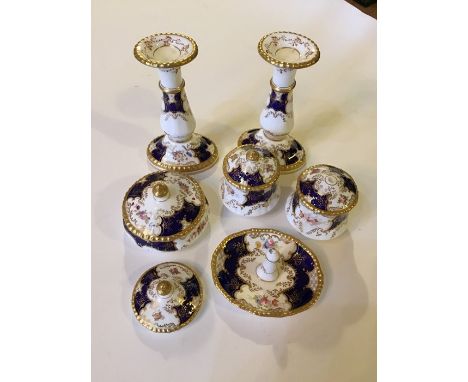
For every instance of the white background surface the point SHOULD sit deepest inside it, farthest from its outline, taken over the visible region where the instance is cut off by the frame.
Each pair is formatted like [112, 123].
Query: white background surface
[227, 85]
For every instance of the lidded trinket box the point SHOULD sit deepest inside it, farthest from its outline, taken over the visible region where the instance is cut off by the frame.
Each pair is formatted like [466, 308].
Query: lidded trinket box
[165, 210]
[249, 186]
[167, 297]
[267, 272]
[320, 205]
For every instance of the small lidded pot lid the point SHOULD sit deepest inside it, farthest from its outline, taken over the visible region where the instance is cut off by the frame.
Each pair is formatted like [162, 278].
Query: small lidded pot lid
[162, 207]
[327, 190]
[167, 297]
[251, 168]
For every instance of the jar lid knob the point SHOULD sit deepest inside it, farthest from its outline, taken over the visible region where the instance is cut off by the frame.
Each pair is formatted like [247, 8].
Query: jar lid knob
[252, 155]
[164, 288]
[160, 191]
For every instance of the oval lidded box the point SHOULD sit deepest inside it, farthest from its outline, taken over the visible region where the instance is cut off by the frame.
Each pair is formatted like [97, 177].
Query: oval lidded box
[249, 186]
[165, 211]
[319, 206]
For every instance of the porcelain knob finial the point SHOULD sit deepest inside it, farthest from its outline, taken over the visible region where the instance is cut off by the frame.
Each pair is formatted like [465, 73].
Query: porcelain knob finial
[268, 270]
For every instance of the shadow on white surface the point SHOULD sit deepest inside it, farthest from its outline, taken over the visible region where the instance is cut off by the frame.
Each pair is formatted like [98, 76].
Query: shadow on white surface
[319, 123]
[108, 206]
[138, 102]
[231, 118]
[343, 301]
[124, 133]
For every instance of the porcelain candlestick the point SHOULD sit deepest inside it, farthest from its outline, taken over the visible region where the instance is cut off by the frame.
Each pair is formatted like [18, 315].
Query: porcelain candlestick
[180, 149]
[287, 52]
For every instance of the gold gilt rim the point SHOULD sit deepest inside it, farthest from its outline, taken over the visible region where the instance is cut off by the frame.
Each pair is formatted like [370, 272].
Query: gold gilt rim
[165, 64]
[284, 169]
[186, 169]
[242, 303]
[285, 64]
[170, 329]
[162, 239]
[247, 187]
[318, 210]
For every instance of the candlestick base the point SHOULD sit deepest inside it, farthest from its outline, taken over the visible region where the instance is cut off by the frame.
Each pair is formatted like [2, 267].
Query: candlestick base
[289, 152]
[197, 154]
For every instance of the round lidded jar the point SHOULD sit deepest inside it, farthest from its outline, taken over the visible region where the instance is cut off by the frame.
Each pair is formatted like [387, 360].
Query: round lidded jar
[165, 211]
[320, 205]
[249, 186]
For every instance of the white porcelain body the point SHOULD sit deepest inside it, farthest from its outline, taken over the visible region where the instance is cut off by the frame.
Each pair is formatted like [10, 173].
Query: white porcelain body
[277, 118]
[194, 233]
[313, 225]
[176, 119]
[234, 200]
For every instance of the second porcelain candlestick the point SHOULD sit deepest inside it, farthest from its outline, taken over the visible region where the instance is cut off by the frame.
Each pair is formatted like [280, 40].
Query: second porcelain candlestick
[180, 149]
[287, 52]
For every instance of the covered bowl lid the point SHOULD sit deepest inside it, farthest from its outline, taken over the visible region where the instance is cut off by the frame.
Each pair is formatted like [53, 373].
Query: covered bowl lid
[251, 168]
[163, 206]
[167, 297]
[327, 190]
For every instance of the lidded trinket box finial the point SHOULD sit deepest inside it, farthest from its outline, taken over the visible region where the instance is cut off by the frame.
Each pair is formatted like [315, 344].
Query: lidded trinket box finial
[319, 206]
[165, 211]
[249, 186]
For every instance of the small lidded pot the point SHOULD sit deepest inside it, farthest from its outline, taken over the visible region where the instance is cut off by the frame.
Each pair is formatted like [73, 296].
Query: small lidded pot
[249, 186]
[320, 205]
[165, 211]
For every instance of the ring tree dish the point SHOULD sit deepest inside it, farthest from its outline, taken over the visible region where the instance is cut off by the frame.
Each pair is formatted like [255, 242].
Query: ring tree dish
[267, 272]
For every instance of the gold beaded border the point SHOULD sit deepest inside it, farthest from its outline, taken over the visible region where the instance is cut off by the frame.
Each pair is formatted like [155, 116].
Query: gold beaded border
[244, 187]
[288, 168]
[186, 169]
[165, 64]
[153, 328]
[284, 64]
[318, 210]
[158, 239]
[244, 305]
